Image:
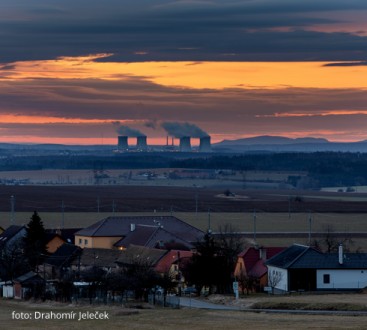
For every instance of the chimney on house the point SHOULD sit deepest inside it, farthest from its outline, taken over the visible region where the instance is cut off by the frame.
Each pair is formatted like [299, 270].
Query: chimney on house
[132, 226]
[262, 253]
[340, 254]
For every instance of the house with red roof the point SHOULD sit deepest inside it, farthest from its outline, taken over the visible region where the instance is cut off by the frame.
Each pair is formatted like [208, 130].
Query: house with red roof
[251, 265]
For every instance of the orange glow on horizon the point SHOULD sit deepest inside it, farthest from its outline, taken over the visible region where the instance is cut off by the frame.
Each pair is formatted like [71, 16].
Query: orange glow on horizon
[196, 75]
[191, 75]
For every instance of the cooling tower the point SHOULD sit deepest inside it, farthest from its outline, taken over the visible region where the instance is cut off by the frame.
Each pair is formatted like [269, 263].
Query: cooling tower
[205, 145]
[122, 144]
[185, 144]
[141, 143]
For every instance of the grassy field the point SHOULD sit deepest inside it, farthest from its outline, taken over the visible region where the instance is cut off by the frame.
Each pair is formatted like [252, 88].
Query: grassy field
[266, 222]
[168, 319]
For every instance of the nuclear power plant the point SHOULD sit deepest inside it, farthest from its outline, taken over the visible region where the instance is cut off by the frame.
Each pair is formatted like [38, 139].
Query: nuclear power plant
[185, 132]
[205, 144]
[124, 144]
[141, 143]
[185, 144]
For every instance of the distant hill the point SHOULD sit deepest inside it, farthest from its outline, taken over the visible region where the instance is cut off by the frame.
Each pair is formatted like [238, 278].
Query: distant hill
[271, 140]
[268, 143]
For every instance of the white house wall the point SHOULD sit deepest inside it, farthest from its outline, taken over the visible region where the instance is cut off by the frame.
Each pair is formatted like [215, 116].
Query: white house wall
[342, 279]
[8, 291]
[283, 283]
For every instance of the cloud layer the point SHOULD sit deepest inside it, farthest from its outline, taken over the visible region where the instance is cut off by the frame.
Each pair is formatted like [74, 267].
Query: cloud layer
[184, 30]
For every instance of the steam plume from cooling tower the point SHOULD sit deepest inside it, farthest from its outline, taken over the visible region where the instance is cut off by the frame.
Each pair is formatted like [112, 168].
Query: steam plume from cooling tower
[127, 131]
[179, 130]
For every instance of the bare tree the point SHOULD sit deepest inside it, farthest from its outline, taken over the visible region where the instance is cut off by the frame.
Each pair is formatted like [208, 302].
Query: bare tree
[247, 282]
[330, 241]
[274, 278]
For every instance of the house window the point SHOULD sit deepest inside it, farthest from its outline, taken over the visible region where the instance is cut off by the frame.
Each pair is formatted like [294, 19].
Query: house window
[326, 278]
[86, 242]
[80, 241]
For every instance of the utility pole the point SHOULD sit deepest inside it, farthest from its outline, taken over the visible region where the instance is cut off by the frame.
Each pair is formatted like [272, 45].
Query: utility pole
[254, 215]
[209, 222]
[62, 214]
[113, 206]
[12, 208]
[309, 227]
[98, 204]
[289, 207]
[196, 205]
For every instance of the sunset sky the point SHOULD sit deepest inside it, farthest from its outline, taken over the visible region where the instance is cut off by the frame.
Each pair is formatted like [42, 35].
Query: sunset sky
[70, 70]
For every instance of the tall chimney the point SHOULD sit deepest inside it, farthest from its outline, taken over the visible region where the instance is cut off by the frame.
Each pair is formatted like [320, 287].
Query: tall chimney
[340, 254]
[205, 145]
[122, 144]
[141, 142]
[185, 144]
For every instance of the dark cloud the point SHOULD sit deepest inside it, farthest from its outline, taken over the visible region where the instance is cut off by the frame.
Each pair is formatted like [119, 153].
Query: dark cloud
[360, 63]
[178, 30]
[222, 112]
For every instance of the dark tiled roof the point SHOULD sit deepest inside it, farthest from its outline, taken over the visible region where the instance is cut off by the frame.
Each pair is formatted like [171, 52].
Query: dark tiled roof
[29, 277]
[63, 255]
[304, 257]
[9, 233]
[97, 257]
[139, 254]
[311, 258]
[150, 236]
[120, 227]
[350, 261]
[288, 256]
[140, 236]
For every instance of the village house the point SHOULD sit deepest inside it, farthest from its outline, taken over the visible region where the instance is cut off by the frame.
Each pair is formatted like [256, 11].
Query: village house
[107, 232]
[251, 264]
[57, 237]
[304, 268]
[152, 237]
[11, 236]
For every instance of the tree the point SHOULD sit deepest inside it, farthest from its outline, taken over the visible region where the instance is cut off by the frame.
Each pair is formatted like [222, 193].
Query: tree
[12, 261]
[274, 278]
[330, 241]
[35, 241]
[96, 279]
[213, 264]
[247, 282]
